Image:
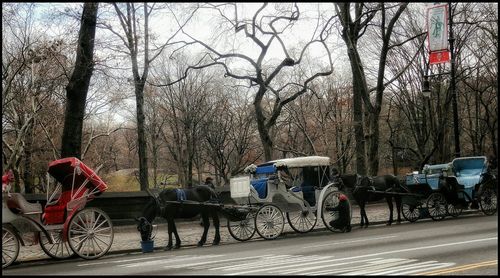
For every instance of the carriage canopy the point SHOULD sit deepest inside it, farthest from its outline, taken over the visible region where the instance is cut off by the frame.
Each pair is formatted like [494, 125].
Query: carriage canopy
[66, 169]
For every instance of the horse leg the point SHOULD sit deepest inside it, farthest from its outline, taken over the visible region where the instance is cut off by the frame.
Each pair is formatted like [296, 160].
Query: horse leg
[389, 203]
[177, 238]
[363, 214]
[215, 217]
[206, 225]
[170, 230]
[398, 207]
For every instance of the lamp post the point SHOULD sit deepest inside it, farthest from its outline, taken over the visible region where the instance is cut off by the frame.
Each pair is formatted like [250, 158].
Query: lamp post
[426, 91]
[452, 85]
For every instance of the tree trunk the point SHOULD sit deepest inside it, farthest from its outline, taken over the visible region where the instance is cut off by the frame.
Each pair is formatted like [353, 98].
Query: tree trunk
[28, 169]
[141, 135]
[373, 144]
[76, 90]
[267, 142]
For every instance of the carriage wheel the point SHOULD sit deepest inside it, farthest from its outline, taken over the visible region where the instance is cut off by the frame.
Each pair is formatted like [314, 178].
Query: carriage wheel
[242, 230]
[453, 210]
[10, 247]
[57, 250]
[269, 222]
[330, 210]
[411, 212]
[90, 233]
[488, 201]
[301, 221]
[436, 205]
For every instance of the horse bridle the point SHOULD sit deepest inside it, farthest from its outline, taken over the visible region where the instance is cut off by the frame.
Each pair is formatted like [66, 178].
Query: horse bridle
[159, 208]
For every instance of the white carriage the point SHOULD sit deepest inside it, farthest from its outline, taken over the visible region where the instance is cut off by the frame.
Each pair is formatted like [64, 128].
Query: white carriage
[302, 189]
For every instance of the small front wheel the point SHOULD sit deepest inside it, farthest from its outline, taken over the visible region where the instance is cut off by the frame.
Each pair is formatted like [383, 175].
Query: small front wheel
[436, 205]
[269, 222]
[410, 212]
[301, 221]
[59, 249]
[242, 230]
[453, 211]
[10, 246]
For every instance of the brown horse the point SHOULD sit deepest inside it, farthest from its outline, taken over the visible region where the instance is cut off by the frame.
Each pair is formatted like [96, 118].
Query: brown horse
[361, 188]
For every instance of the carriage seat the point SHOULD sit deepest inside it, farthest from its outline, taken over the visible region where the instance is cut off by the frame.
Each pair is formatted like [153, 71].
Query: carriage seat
[17, 201]
[468, 177]
[468, 170]
[260, 186]
[55, 213]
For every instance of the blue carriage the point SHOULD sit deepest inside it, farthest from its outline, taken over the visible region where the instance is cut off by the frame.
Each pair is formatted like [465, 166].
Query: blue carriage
[447, 189]
[300, 189]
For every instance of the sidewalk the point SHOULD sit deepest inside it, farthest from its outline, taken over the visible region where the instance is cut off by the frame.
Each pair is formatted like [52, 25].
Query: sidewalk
[127, 238]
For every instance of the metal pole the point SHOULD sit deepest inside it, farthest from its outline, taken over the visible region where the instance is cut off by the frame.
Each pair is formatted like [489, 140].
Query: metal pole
[453, 88]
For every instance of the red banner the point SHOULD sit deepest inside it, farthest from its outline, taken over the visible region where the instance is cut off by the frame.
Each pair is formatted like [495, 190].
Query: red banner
[437, 57]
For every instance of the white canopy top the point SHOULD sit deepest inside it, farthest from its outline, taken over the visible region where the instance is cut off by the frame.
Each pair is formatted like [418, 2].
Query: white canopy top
[302, 161]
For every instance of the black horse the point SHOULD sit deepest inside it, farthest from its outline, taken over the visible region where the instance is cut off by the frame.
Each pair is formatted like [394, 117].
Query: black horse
[360, 187]
[158, 206]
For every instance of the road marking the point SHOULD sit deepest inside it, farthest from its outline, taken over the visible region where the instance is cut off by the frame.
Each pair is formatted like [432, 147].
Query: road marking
[460, 268]
[307, 269]
[349, 241]
[378, 254]
[412, 268]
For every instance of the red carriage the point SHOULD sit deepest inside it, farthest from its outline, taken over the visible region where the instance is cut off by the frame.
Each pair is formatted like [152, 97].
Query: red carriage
[65, 226]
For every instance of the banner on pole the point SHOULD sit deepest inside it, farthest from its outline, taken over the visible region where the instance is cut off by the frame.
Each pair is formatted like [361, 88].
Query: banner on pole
[437, 34]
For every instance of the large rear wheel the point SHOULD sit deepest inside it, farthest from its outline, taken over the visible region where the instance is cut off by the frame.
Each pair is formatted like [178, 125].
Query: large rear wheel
[488, 201]
[57, 250]
[10, 246]
[90, 233]
[269, 221]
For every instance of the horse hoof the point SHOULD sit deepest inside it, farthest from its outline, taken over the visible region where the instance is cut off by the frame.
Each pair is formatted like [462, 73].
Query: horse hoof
[177, 247]
[215, 243]
[167, 248]
[199, 244]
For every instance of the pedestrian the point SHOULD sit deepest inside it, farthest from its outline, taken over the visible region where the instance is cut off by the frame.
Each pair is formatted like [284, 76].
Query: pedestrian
[209, 182]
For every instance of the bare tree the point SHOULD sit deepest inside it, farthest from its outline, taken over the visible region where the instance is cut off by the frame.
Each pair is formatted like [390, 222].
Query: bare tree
[353, 28]
[139, 42]
[266, 28]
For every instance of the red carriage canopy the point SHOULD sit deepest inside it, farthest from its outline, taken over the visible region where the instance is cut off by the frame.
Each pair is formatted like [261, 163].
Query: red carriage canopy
[63, 169]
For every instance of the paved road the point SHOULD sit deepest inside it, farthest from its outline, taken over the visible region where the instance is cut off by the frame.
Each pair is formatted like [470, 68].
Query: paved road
[462, 246]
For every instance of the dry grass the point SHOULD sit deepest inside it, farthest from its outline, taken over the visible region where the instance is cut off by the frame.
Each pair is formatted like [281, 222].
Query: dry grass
[126, 181]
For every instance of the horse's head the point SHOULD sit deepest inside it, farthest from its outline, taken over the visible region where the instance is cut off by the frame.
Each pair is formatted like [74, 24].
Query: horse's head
[145, 228]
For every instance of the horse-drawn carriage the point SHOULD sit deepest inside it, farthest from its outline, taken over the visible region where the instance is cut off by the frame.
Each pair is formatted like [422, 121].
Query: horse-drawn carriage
[446, 189]
[65, 226]
[301, 187]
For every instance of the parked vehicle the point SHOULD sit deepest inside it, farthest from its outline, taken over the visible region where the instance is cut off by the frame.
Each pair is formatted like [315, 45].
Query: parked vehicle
[65, 226]
[300, 189]
[447, 189]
